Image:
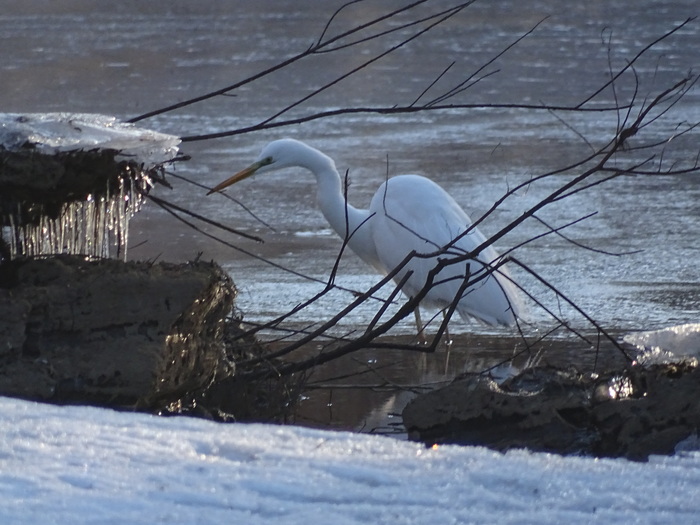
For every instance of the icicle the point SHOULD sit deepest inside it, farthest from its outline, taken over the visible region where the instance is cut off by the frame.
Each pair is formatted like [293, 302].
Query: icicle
[97, 226]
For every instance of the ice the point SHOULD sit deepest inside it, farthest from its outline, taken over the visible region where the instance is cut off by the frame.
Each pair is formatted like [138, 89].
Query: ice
[681, 342]
[97, 225]
[91, 465]
[53, 132]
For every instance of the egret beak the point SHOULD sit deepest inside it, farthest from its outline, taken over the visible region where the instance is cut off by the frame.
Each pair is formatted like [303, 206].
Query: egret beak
[243, 174]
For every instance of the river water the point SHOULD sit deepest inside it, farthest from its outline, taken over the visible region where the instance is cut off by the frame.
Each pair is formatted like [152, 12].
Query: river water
[641, 273]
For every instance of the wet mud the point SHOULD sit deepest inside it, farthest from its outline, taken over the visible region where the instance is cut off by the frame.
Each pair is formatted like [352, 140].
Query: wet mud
[105, 332]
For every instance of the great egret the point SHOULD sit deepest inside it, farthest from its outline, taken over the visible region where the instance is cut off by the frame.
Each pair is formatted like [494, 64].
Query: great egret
[408, 213]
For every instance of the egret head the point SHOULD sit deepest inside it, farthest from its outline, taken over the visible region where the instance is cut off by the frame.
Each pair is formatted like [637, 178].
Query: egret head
[278, 154]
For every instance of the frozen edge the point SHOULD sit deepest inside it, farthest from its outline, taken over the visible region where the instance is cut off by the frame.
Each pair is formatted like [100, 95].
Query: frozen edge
[57, 132]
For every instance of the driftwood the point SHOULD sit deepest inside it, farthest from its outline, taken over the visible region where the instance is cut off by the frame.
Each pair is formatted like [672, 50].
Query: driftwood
[106, 332]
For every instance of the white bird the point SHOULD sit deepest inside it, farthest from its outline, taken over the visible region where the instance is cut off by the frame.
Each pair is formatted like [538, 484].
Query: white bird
[407, 213]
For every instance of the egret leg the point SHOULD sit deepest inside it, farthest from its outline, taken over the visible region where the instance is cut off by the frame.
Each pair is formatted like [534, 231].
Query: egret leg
[448, 339]
[419, 326]
[448, 343]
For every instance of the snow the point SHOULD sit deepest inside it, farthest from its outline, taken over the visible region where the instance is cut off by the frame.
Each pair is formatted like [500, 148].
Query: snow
[90, 465]
[54, 132]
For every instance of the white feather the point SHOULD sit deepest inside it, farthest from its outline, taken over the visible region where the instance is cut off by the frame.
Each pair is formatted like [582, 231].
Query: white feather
[409, 213]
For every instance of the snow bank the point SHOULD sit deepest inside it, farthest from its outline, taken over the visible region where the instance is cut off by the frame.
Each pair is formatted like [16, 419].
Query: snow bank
[90, 465]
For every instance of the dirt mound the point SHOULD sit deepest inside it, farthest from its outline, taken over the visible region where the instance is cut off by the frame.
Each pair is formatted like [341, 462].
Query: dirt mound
[631, 413]
[107, 332]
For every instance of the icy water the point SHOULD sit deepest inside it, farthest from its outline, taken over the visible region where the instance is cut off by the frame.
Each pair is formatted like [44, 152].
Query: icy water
[131, 57]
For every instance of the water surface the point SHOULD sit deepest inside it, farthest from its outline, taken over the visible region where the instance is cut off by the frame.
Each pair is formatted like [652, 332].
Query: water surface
[131, 57]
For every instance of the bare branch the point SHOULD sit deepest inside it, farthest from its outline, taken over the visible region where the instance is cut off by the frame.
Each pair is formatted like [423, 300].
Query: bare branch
[641, 53]
[624, 151]
[394, 110]
[317, 48]
[165, 204]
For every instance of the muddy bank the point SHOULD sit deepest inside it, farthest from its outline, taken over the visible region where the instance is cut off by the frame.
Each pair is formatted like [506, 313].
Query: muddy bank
[161, 338]
[105, 332]
[631, 413]
[80, 327]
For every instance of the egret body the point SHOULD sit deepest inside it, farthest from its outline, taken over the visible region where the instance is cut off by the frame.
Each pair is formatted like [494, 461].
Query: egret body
[408, 213]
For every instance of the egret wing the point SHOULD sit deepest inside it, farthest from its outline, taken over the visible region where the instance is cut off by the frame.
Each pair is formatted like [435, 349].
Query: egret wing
[413, 214]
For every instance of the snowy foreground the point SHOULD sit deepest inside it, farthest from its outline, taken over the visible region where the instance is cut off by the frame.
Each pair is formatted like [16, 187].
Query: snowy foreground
[89, 465]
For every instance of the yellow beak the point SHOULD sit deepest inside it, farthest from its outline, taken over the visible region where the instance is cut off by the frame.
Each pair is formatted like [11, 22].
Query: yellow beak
[243, 174]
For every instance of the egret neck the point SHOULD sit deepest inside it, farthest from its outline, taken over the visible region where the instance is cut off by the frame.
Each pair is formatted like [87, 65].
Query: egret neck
[349, 222]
